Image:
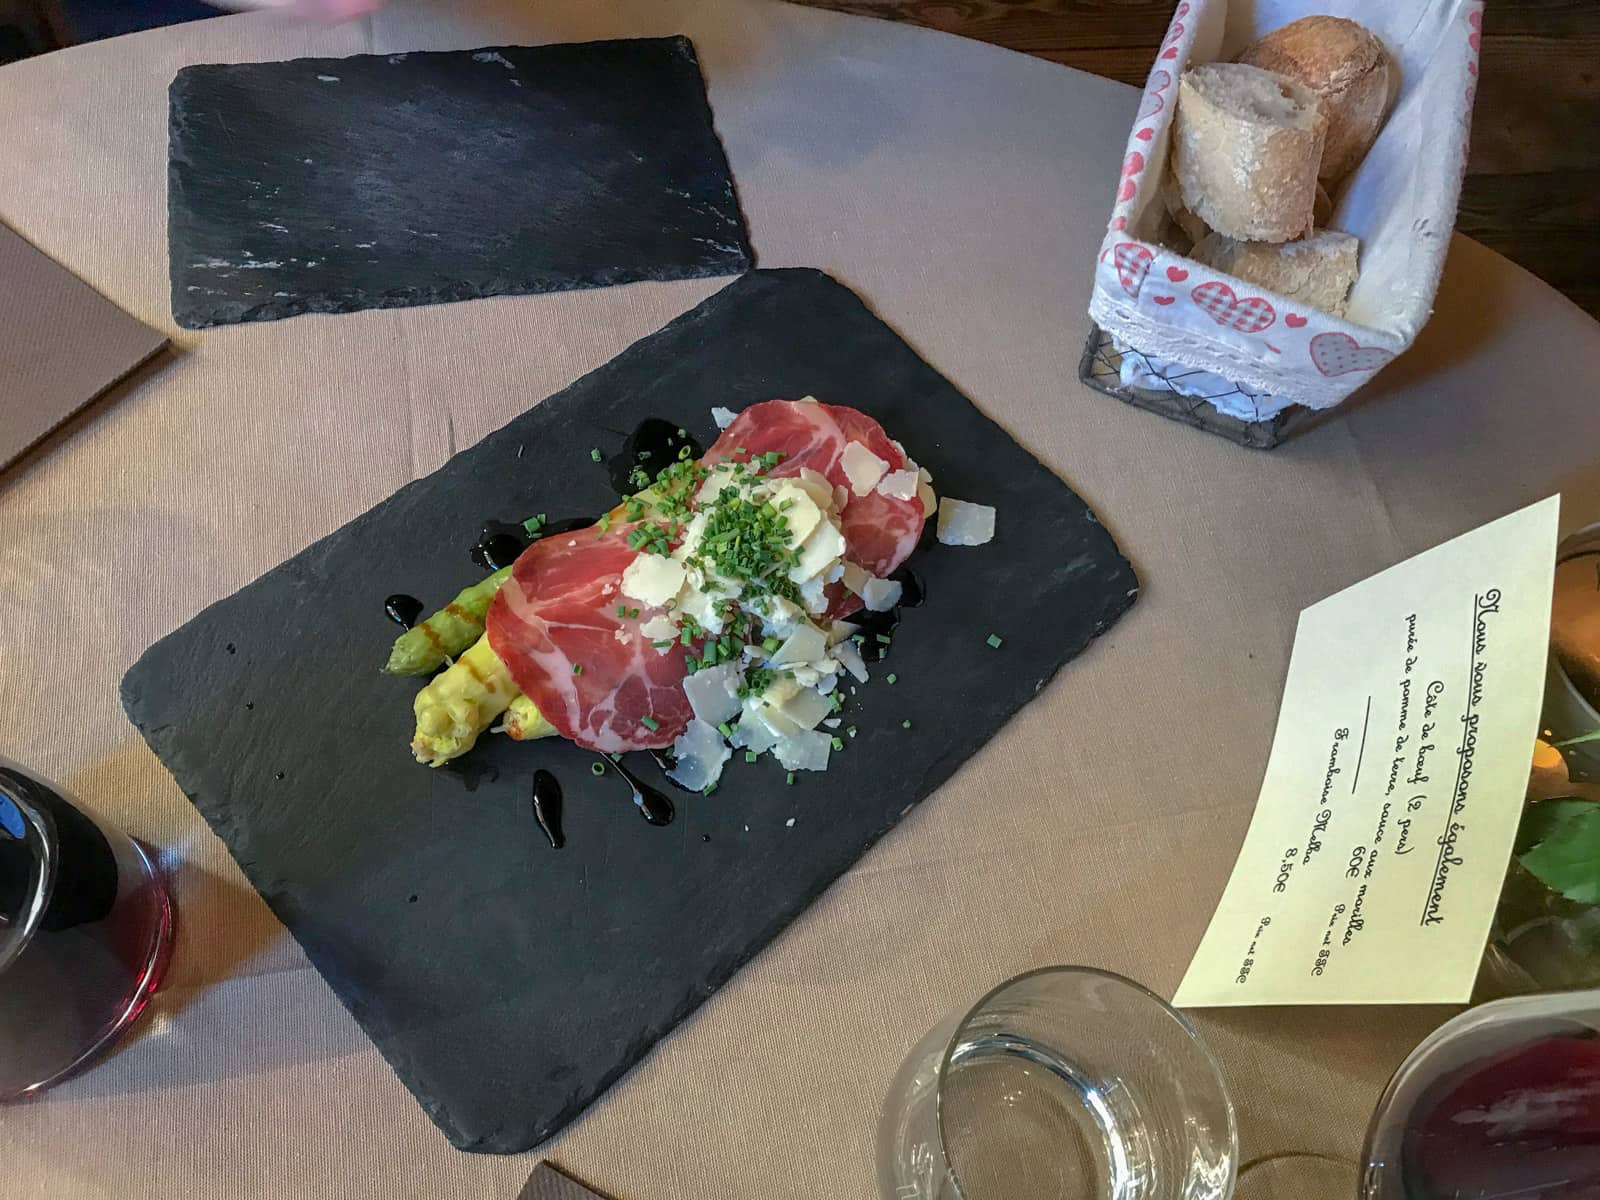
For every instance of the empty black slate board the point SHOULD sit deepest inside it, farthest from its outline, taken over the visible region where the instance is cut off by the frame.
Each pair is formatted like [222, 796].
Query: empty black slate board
[382, 181]
[508, 983]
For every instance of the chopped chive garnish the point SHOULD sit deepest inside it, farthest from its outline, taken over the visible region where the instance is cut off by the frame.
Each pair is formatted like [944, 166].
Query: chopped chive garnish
[666, 645]
[750, 756]
[683, 454]
[644, 456]
[709, 788]
[616, 756]
[884, 638]
[577, 668]
[650, 722]
[834, 702]
[851, 730]
[604, 522]
[595, 455]
[740, 450]
[622, 610]
[770, 645]
[684, 636]
[891, 677]
[836, 743]
[725, 729]
[905, 724]
[683, 433]
[532, 524]
[995, 640]
[633, 612]
[789, 778]
[597, 768]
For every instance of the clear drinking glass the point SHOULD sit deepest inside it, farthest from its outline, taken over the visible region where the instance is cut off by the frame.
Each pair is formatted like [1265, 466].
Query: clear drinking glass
[1501, 1103]
[1065, 1082]
[85, 934]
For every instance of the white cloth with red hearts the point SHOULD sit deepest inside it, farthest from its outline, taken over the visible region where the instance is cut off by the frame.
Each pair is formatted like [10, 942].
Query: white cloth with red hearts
[1401, 203]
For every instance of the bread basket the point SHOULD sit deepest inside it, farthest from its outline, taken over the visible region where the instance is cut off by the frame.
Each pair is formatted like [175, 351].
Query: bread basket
[1199, 345]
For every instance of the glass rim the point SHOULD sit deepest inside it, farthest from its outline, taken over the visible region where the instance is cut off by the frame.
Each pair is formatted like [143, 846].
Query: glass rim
[41, 836]
[1132, 985]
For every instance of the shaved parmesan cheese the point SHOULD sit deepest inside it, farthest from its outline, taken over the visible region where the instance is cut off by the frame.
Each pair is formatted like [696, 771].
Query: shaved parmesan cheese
[838, 631]
[706, 608]
[816, 486]
[862, 467]
[899, 485]
[855, 577]
[813, 594]
[754, 735]
[714, 485]
[782, 617]
[722, 416]
[802, 514]
[964, 524]
[806, 708]
[841, 497]
[804, 751]
[880, 595]
[849, 657]
[930, 501]
[659, 628]
[714, 692]
[759, 712]
[652, 579]
[806, 644]
[818, 553]
[806, 400]
[700, 753]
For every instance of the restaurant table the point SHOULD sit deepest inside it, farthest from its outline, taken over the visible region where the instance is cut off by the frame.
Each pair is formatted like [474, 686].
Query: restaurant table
[962, 191]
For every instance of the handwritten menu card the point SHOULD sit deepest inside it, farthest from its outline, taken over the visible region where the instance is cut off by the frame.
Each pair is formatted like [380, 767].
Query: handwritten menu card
[1373, 863]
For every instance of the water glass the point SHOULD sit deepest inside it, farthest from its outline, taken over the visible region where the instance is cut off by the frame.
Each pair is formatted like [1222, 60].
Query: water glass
[1065, 1082]
[85, 934]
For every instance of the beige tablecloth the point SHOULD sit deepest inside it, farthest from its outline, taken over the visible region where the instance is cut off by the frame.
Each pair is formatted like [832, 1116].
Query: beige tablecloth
[962, 190]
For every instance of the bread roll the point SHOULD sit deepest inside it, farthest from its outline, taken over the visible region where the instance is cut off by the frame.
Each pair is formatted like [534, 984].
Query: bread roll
[1247, 150]
[1316, 271]
[1347, 67]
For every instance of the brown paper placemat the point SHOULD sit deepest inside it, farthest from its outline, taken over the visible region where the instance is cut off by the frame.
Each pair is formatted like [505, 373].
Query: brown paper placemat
[62, 344]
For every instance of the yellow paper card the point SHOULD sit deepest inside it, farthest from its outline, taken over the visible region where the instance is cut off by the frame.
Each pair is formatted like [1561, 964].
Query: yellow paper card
[1374, 861]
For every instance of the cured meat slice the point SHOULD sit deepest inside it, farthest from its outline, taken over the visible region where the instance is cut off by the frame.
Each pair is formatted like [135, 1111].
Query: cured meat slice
[593, 674]
[880, 531]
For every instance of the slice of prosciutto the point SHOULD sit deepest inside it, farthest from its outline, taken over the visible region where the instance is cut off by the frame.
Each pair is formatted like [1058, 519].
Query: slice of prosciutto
[880, 532]
[593, 674]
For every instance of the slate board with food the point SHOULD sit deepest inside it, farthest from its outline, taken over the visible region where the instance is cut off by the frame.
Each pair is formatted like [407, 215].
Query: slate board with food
[866, 576]
[390, 180]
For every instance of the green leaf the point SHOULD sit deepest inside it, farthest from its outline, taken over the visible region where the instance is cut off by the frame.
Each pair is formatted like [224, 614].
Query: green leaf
[1543, 818]
[1568, 860]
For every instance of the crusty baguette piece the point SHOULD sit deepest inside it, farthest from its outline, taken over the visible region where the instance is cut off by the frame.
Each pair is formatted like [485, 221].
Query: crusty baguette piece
[1192, 226]
[1247, 150]
[1316, 271]
[1348, 67]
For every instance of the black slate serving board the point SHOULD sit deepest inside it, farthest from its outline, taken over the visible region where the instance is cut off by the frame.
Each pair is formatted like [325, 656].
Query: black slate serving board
[382, 181]
[509, 984]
